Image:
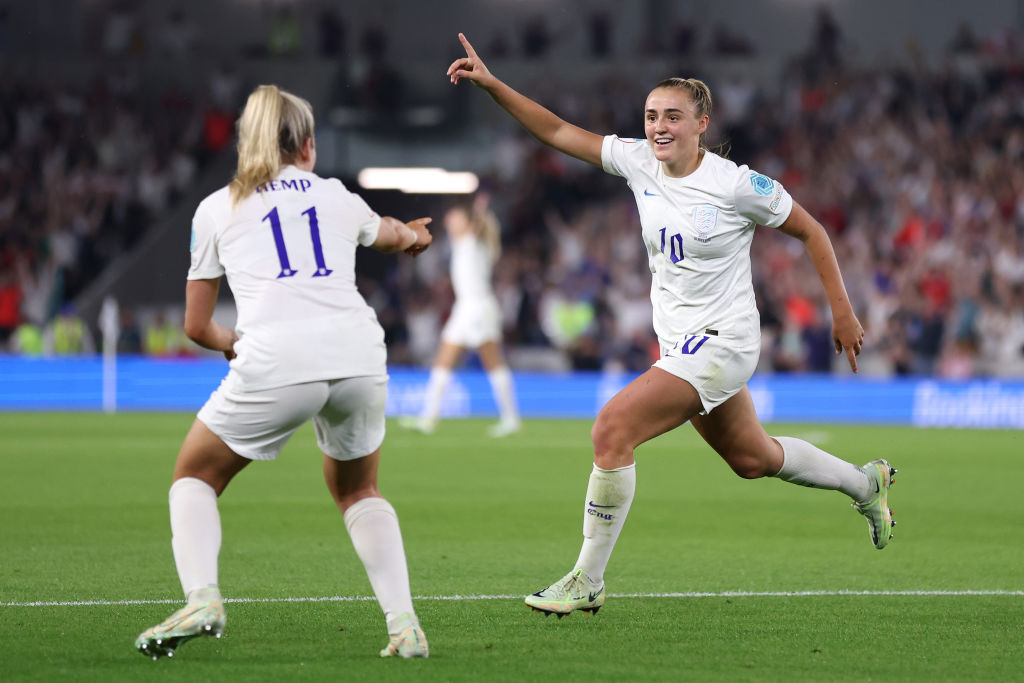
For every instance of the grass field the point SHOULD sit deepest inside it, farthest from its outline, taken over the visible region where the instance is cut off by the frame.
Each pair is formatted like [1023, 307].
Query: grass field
[714, 578]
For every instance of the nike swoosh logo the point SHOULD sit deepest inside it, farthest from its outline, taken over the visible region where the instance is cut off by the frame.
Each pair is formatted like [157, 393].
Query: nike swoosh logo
[595, 505]
[876, 486]
[649, 193]
[593, 596]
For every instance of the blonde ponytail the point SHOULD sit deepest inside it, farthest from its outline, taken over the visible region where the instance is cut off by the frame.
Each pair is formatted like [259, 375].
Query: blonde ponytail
[485, 226]
[271, 132]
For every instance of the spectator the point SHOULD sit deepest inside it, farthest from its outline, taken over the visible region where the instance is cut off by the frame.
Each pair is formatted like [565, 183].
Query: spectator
[129, 336]
[162, 338]
[67, 334]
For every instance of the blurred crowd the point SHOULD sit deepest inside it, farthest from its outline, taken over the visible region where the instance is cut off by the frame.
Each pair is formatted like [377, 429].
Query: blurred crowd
[917, 174]
[84, 173]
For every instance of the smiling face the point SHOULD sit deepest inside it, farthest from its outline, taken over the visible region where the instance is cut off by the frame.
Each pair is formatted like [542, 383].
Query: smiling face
[673, 129]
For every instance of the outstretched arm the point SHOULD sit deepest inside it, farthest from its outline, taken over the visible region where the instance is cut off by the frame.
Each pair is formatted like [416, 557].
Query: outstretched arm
[540, 122]
[413, 237]
[847, 333]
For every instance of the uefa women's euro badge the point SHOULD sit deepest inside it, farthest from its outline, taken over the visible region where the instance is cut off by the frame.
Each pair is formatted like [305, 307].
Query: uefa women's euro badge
[763, 185]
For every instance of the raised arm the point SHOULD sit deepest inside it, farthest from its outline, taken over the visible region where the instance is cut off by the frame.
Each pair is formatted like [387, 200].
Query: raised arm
[413, 237]
[540, 122]
[847, 333]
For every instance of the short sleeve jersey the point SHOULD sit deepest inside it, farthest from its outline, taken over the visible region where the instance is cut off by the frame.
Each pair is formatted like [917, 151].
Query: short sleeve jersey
[288, 251]
[471, 270]
[698, 231]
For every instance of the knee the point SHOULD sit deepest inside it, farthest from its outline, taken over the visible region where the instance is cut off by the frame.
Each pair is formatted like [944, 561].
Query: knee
[748, 465]
[347, 498]
[610, 436]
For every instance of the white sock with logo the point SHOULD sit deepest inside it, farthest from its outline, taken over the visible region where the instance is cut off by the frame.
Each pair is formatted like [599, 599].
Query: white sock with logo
[504, 394]
[195, 536]
[609, 495]
[808, 465]
[436, 384]
[373, 527]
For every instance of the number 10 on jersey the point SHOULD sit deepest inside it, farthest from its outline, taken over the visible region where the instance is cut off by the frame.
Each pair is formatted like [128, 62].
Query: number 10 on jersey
[282, 253]
[675, 244]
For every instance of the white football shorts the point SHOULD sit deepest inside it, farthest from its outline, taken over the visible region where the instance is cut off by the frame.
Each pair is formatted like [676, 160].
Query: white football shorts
[348, 416]
[716, 366]
[472, 324]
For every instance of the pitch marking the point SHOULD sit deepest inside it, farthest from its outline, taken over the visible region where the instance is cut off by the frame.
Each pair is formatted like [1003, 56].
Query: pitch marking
[361, 598]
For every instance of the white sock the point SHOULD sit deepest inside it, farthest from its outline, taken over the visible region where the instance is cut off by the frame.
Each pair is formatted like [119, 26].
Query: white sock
[808, 465]
[373, 526]
[195, 536]
[438, 382]
[504, 394]
[609, 495]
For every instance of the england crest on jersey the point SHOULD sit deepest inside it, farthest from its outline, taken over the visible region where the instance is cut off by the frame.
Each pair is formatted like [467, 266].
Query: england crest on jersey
[705, 219]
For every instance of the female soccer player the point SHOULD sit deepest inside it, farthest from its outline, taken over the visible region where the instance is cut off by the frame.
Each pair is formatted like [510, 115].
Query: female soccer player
[306, 345]
[698, 212]
[475, 320]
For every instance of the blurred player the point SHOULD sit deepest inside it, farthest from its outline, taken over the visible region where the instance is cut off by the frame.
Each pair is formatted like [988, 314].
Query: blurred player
[306, 346]
[698, 212]
[475, 320]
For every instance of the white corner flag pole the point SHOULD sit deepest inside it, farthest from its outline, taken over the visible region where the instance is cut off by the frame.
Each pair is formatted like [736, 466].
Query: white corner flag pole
[109, 329]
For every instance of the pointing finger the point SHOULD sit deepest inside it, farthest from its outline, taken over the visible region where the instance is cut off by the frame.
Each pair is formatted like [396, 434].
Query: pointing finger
[852, 357]
[465, 43]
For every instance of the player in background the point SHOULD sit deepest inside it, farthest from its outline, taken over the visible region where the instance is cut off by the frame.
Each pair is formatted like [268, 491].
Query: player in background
[698, 212]
[475, 320]
[306, 346]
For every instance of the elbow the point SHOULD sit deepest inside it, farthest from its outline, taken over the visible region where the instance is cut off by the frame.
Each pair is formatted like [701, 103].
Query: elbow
[194, 331]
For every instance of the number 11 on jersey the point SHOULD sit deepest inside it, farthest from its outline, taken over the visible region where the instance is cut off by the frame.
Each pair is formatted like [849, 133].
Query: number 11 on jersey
[314, 234]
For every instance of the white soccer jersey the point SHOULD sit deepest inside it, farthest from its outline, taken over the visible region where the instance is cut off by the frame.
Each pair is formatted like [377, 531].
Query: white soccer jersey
[288, 251]
[471, 271]
[698, 231]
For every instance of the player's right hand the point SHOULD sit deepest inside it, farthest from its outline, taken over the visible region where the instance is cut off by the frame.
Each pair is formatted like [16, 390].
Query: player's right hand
[423, 236]
[470, 67]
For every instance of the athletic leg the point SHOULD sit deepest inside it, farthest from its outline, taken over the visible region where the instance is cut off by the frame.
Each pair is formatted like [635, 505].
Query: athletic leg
[204, 467]
[440, 375]
[353, 422]
[373, 527]
[735, 433]
[650, 405]
[502, 387]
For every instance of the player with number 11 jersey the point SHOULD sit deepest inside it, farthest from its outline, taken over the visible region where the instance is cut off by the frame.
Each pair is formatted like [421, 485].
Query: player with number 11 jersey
[288, 251]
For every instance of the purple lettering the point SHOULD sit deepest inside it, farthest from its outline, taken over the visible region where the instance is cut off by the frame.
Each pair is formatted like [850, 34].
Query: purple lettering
[305, 184]
[289, 184]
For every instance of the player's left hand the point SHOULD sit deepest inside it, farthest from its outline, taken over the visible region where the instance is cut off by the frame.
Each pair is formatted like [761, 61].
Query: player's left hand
[848, 335]
[470, 67]
[229, 353]
[423, 236]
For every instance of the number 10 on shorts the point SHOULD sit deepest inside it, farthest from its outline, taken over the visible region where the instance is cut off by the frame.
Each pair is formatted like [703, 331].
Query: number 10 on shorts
[691, 344]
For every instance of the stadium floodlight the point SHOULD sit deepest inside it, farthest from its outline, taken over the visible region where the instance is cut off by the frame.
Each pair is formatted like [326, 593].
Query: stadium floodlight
[418, 180]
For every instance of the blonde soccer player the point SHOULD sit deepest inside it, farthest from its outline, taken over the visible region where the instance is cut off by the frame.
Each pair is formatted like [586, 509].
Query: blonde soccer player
[698, 212]
[305, 346]
[475, 319]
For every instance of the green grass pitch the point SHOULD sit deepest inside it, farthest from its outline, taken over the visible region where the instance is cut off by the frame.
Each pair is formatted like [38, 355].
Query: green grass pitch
[766, 581]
